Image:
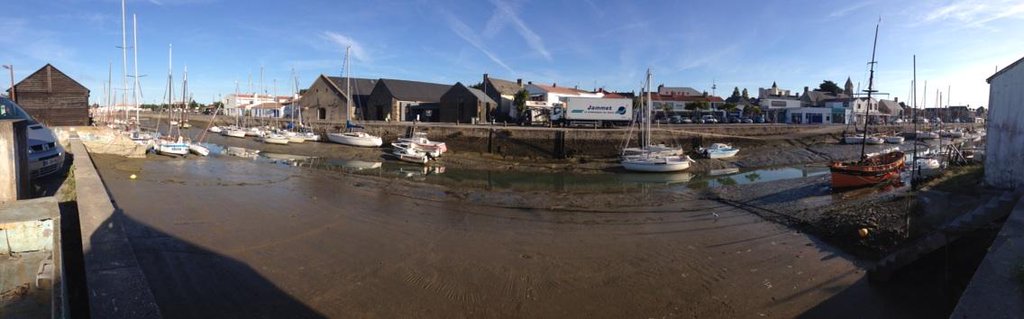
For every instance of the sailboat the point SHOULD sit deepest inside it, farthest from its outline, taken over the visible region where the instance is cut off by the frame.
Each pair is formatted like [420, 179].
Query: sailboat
[649, 160]
[173, 144]
[360, 138]
[869, 170]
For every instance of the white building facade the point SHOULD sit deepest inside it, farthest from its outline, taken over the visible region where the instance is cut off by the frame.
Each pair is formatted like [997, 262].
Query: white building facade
[1005, 128]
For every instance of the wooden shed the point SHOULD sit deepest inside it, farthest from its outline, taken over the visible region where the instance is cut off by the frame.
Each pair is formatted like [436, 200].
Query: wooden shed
[462, 104]
[53, 98]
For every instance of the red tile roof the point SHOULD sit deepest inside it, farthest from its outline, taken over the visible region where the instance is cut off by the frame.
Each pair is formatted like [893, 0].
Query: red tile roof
[559, 89]
[682, 98]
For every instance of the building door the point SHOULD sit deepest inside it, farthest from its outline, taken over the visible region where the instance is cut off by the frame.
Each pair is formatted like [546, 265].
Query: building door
[321, 113]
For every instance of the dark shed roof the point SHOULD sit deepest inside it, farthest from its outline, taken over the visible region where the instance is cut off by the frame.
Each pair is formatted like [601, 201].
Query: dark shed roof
[415, 91]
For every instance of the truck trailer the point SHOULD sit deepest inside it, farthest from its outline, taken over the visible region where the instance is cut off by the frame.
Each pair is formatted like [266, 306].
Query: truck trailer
[592, 111]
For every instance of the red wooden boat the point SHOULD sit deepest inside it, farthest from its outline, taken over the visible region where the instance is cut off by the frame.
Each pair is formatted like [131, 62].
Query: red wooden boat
[873, 170]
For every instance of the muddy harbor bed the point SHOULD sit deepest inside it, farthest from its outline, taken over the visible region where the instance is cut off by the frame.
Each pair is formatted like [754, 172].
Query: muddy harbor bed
[259, 238]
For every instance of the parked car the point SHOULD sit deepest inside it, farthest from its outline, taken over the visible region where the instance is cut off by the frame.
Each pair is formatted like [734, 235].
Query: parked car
[675, 119]
[709, 119]
[922, 120]
[45, 154]
[748, 120]
[687, 121]
[759, 119]
[897, 121]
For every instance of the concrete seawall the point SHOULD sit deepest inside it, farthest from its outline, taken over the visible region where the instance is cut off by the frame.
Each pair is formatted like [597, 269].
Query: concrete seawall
[117, 286]
[997, 288]
[558, 143]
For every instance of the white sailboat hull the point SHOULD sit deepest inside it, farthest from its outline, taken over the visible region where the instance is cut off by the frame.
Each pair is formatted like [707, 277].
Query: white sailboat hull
[872, 140]
[199, 149]
[354, 139]
[172, 149]
[894, 140]
[722, 153]
[278, 140]
[235, 133]
[215, 129]
[853, 139]
[656, 164]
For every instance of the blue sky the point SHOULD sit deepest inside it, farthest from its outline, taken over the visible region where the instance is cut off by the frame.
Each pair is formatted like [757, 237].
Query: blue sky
[609, 44]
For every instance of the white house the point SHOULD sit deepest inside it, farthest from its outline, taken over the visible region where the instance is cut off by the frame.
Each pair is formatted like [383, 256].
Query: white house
[1005, 127]
[776, 101]
[241, 103]
[553, 95]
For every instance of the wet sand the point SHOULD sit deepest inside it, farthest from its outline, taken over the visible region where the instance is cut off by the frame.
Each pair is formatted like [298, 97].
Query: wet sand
[227, 237]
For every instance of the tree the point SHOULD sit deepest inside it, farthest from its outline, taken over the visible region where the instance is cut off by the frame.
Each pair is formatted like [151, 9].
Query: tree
[745, 94]
[702, 105]
[478, 86]
[520, 100]
[980, 111]
[735, 92]
[752, 110]
[728, 107]
[829, 86]
[666, 108]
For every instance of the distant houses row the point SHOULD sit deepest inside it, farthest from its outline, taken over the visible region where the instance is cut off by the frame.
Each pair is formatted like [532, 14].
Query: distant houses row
[55, 98]
[494, 99]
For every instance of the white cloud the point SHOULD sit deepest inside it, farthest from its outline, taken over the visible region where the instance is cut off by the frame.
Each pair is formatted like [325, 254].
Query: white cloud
[976, 13]
[466, 33]
[846, 10]
[506, 14]
[343, 41]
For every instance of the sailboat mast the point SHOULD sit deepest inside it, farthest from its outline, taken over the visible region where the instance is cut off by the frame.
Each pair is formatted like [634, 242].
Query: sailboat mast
[124, 60]
[348, 86]
[871, 82]
[136, 90]
[913, 98]
[647, 117]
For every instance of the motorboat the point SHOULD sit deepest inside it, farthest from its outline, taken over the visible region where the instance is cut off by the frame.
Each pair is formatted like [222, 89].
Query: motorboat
[410, 155]
[874, 140]
[361, 139]
[274, 138]
[433, 152]
[922, 135]
[420, 141]
[853, 139]
[719, 150]
[242, 152]
[215, 129]
[895, 139]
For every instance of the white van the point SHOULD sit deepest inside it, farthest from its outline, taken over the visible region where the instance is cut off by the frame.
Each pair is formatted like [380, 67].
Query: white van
[45, 155]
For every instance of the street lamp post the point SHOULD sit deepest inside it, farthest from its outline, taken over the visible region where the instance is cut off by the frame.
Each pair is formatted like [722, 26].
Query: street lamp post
[11, 67]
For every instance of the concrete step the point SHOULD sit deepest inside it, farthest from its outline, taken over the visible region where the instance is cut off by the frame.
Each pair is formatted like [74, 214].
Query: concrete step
[995, 208]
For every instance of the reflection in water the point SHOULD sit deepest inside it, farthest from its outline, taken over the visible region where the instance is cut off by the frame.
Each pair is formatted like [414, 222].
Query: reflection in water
[752, 177]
